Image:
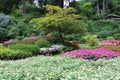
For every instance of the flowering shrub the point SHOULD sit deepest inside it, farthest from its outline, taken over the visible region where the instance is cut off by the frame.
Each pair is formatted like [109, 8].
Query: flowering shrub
[114, 42]
[51, 50]
[12, 41]
[113, 45]
[39, 37]
[92, 54]
[27, 40]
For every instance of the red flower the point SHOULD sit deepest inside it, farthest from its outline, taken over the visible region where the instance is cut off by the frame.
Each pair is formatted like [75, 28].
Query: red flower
[76, 45]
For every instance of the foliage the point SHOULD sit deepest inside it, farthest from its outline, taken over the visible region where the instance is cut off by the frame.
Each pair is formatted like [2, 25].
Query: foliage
[28, 48]
[110, 38]
[108, 28]
[92, 40]
[98, 9]
[81, 46]
[94, 54]
[42, 43]
[62, 21]
[9, 54]
[19, 28]
[7, 5]
[86, 9]
[4, 21]
[117, 36]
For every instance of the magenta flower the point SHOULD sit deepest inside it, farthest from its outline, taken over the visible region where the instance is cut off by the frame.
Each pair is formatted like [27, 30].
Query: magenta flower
[92, 54]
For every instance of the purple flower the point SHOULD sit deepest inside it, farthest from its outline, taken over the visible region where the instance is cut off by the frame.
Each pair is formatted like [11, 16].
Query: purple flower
[93, 54]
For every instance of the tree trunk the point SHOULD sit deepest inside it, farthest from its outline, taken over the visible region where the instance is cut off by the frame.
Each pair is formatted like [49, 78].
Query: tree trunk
[103, 12]
[103, 6]
[62, 3]
[24, 7]
[60, 36]
[98, 9]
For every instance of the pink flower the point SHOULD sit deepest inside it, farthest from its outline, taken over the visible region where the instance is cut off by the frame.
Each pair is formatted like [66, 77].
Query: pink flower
[92, 54]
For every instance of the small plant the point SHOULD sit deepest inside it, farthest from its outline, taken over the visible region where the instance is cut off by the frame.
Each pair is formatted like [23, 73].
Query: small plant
[26, 47]
[9, 54]
[42, 43]
[81, 46]
[110, 38]
[52, 50]
[92, 40]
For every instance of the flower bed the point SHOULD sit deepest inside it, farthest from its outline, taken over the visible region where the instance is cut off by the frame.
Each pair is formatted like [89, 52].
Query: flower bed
[109, 42]
[27, 40]
[113, 45]
[92, 54]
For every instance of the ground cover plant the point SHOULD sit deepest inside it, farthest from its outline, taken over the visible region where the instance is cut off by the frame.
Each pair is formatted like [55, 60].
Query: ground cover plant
[85, 32]
[58, 68]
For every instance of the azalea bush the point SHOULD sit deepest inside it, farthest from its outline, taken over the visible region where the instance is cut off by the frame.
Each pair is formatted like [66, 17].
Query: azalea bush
[112, 42]
[27, 40]
[111, 47]
[92, 54]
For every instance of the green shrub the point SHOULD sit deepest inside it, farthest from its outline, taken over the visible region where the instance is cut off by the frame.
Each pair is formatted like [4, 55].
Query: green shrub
[26, 47]
[92, 40]
[4, 21]
[104, 28]
[42, 43]
[81, 46]
[110, 38]
[117, 36]
[8, 54]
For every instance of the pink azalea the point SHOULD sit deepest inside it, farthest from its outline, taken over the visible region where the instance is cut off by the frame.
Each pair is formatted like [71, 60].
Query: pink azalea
[93, 54]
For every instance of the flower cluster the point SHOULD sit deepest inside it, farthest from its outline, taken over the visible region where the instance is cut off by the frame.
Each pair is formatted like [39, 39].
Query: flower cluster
[39, 37]
[108, 42]
[28, 40]
[113, 45]
[92, 54]
[52, 49]
[10, 41]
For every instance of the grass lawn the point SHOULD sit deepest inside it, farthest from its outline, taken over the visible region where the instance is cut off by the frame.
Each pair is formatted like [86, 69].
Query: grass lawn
[58, 68]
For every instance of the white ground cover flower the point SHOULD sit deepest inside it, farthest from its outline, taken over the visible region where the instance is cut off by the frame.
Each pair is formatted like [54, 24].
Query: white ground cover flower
[58, 68]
